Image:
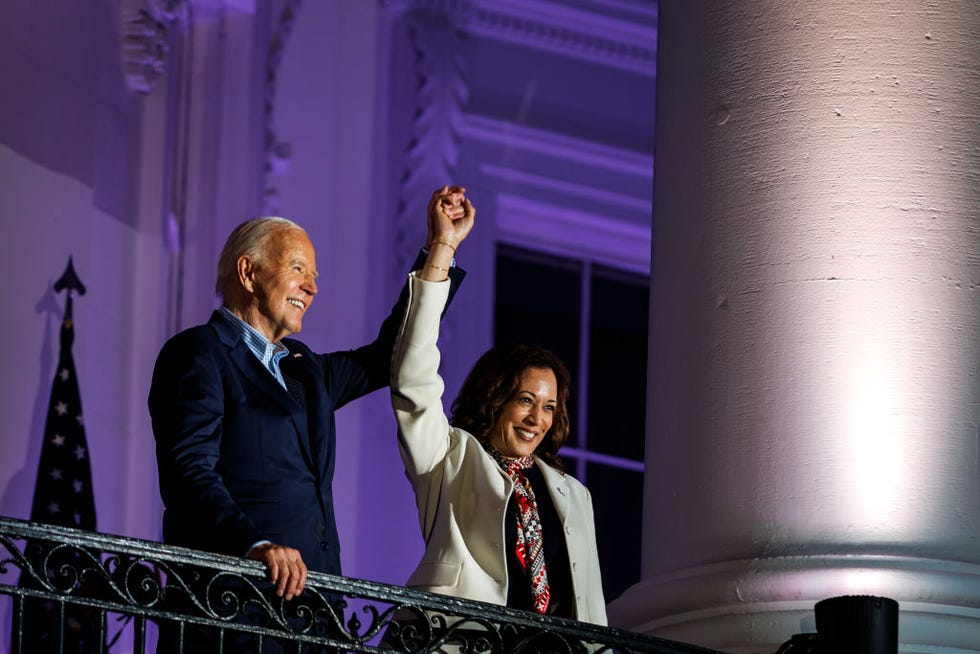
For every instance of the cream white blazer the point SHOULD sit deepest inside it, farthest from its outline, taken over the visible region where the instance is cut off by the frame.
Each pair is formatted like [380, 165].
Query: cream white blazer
[460, 490]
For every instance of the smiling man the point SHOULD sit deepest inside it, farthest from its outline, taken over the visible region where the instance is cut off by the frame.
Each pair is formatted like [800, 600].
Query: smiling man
[243, 415]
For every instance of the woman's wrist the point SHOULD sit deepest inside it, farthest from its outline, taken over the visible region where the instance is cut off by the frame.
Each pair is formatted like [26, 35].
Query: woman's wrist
[433, 243]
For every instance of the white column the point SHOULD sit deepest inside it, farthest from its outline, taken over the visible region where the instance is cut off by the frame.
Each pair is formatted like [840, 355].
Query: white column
[815, 336]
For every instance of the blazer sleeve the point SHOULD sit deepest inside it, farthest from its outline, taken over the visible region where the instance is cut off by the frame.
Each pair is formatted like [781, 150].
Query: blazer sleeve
[186, 405]
[416, 387]
[354, 373]
[594, 598]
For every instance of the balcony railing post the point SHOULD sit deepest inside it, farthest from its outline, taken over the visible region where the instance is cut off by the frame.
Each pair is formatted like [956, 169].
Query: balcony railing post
[17, 626]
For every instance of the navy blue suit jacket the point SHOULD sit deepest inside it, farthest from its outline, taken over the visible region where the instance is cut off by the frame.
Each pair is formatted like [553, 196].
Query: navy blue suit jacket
[239, 459]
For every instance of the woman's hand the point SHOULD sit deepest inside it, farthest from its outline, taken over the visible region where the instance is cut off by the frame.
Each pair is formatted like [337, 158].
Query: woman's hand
[449, 221]
[450, 216]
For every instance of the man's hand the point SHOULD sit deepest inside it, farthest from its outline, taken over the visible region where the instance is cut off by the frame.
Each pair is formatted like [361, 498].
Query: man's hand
[450, 216]
[285, 566]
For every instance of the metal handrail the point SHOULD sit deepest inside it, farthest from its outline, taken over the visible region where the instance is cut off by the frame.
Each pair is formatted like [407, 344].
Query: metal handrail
[192, 593]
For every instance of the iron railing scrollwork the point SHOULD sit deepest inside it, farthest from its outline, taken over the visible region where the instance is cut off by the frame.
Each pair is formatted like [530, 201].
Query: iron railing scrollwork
[190, 595]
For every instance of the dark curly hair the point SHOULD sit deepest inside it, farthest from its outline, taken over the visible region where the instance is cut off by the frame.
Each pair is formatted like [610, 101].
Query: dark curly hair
[495, 380]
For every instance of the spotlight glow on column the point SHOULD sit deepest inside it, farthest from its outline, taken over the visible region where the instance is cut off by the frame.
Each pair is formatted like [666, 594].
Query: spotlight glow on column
[877, 437]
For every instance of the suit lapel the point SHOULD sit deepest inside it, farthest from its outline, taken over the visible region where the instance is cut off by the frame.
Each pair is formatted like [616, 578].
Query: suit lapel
[297, 365]
[253, 371]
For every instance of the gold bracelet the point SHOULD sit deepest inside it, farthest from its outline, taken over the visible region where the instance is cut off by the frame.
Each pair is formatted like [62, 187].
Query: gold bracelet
[432, 265]
[429, 246]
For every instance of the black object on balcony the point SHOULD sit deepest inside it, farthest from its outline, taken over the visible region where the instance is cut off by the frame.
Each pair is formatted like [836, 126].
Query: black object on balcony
[862, 624]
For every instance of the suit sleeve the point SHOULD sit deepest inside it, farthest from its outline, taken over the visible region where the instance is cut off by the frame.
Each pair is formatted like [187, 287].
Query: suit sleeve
[355, 373]
[186, 405]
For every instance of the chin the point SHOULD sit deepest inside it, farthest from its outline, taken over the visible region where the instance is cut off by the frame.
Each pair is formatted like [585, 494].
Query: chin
[525, 451]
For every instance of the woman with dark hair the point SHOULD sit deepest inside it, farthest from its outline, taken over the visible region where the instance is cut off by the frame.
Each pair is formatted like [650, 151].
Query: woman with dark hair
[495, 380]
[501, 520]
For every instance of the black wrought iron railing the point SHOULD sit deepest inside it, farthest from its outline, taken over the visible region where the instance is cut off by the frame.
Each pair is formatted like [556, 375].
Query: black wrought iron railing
[76, 591]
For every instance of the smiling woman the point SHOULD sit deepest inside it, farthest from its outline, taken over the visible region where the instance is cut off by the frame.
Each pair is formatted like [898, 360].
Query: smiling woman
[501, 520]
[525, 419]
[515, 401]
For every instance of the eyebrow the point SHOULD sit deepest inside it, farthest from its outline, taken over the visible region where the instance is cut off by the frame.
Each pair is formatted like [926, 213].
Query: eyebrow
[302, 262]
[531, 393]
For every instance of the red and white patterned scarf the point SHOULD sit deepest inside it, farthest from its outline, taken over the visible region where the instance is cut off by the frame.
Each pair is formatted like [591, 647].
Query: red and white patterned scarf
[530, 546]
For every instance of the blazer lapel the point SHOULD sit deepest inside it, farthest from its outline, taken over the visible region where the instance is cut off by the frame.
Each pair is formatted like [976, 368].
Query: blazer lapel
[557, 487]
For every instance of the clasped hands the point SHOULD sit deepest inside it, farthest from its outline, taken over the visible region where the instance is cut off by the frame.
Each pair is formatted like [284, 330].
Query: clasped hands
[449, 219]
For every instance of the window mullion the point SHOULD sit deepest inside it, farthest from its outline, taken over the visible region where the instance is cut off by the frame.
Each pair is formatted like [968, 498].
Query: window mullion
[583, 367]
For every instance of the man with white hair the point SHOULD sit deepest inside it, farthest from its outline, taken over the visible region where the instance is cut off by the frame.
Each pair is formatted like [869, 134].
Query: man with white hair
[243, 415]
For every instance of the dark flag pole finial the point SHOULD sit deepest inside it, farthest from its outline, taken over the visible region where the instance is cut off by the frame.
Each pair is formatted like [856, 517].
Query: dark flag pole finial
[69, 280]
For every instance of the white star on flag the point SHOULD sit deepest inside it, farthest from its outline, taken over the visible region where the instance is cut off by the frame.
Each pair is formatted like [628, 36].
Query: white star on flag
[56, 473]
[61, 408]
[80, 452]
[58, 440]
[54, 507]
[64, 374]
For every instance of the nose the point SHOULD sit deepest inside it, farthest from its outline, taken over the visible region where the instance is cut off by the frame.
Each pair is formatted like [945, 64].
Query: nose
[533, 416]
[309, 285]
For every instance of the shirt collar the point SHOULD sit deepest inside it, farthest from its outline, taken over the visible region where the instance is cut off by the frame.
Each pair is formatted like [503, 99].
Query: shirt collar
[267, 352]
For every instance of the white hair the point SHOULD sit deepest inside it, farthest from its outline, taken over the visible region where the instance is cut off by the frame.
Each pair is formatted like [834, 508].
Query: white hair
[248, 239]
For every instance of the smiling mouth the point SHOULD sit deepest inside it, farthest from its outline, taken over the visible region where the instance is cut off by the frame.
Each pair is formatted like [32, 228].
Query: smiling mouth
[297, 303]
[525, 434]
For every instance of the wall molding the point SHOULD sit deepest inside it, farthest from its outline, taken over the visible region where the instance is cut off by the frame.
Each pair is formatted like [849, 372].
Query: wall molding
[543, 226]
[560, 225]
[610, 33]
[560, 146]
[595, 35]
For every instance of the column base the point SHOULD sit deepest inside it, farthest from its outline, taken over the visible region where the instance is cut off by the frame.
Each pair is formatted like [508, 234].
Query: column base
[752, 606]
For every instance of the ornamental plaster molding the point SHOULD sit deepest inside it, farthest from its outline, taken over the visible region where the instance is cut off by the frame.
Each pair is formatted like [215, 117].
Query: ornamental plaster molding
[432, 149]
[278, 154]
[146, 35]
[604, 32]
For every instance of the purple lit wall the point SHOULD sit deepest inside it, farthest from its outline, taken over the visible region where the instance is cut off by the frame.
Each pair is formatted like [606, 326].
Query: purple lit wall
[68, 149]
[341, 115]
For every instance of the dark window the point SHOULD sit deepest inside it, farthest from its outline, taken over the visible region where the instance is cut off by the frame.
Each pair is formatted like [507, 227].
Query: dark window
[594, 318]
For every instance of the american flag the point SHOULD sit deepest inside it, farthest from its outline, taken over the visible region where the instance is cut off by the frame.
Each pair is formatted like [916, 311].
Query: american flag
[62, 496]
[63, 491]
